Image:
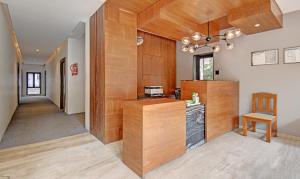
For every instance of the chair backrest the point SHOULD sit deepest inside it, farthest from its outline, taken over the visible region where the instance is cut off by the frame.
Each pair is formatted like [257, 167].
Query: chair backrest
[264, 103]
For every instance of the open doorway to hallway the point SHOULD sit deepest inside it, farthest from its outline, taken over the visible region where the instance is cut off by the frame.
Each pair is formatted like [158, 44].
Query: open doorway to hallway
[50, 96]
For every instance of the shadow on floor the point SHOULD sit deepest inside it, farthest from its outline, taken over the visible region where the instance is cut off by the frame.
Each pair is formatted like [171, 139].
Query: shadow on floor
[38, 119]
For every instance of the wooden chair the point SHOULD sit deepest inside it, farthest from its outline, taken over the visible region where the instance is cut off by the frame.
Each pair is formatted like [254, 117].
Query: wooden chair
[264, 109]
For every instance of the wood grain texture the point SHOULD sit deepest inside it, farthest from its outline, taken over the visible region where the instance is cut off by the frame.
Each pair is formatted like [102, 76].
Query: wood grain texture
[136, 6]
[175, 19]
[264, 12]
[264, 103]
[115, 70]
[154, 133]
[156, 63]
[221, 99]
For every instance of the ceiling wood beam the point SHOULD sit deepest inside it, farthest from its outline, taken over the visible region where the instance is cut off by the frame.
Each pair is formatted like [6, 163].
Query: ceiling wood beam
[264, 12]
[174, 19]
[136, 6]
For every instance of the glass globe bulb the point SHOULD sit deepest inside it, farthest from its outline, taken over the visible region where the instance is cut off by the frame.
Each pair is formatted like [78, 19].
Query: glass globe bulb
[229, 46]
[229, 35]
[191, 49]
[237, 32]
[185, 48]
[185, 41]
[216, 48]
[196, 36]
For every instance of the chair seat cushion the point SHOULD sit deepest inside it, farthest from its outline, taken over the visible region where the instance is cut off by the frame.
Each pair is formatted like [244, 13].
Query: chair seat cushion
[260, 116]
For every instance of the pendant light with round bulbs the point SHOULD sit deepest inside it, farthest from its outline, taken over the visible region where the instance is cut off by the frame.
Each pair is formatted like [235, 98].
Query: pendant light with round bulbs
[191, 44]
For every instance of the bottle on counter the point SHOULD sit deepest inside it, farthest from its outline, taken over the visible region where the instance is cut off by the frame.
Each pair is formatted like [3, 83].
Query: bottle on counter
[196, 99]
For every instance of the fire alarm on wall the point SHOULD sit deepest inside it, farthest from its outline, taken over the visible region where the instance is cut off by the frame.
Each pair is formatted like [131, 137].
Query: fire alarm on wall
[74, 69]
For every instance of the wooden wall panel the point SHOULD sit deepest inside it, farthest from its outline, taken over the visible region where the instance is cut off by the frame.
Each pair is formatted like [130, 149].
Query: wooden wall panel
[113, 71]
[156, 63]
[97, 92]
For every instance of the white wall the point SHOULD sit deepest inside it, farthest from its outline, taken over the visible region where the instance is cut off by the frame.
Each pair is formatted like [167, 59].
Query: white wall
[282, 79]
[8, 75]
[53, 73]
[33, 68]
[76, 84]
[184, 63]
[73, 50]
[87, 74]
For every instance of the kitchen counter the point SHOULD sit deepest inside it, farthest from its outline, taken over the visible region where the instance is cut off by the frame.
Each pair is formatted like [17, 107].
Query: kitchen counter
[154, 132]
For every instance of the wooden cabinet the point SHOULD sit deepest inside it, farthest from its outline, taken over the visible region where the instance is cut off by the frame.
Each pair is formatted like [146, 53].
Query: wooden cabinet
[221, 99]
[113, 69]
[156, 63]
[154, 133]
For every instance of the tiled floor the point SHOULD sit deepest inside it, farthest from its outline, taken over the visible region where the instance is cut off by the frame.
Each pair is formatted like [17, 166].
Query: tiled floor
[230, 156]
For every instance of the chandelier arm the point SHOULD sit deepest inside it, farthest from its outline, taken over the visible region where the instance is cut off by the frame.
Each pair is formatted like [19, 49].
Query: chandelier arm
[208, 33]
[201, 46]
[224, 37]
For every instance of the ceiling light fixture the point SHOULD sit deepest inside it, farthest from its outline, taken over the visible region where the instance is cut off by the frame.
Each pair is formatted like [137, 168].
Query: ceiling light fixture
[37, 50]
[139, 40]
[229, 46]
[185, 41]
[216, 48]
[257, 25]
[196, 36]
[191, 44]
[237, 32]
[185, 48]
[229, 35]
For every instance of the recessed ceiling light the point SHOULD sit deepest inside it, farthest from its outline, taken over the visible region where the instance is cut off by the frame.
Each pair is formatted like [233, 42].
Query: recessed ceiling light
[37, 50]
[256, 25]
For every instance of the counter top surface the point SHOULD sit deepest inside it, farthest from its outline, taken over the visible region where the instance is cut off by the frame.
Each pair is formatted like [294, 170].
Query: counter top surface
[149, 101]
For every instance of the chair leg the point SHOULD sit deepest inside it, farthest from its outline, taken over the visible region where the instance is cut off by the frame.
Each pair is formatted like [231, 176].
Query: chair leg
[274, 128]
[269, 132]
[245, 127]
[253, 126]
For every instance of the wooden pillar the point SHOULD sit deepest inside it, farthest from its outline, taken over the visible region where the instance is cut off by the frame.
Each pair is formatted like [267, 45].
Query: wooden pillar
[113, 69]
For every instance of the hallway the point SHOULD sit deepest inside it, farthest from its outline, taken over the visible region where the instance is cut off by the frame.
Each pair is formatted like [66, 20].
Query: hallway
[37, 119]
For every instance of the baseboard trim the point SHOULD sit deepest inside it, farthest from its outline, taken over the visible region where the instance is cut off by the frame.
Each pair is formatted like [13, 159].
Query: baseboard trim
[8, 122]
[280, 134]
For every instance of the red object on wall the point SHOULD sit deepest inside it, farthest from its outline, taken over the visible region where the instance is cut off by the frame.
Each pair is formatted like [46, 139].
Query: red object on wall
[74, 69]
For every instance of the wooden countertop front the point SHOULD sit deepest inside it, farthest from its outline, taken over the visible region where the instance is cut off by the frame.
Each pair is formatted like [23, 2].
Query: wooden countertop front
[154, 132]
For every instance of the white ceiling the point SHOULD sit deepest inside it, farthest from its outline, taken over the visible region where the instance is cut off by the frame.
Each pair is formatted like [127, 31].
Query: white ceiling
[44, 24]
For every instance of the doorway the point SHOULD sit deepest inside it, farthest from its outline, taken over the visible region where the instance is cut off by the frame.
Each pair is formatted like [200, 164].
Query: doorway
[18, 81]
[62, 83]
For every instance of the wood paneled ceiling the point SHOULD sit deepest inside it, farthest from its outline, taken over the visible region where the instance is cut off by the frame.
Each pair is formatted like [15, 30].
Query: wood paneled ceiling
[175, 19]
[136, 6]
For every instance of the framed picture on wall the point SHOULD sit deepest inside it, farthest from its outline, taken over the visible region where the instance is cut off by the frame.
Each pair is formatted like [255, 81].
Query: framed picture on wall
[265, 57]
[291, 55]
